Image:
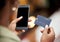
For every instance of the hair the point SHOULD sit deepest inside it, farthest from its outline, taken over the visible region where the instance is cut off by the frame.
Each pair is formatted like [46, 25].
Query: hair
[2, 4]
[12, 3]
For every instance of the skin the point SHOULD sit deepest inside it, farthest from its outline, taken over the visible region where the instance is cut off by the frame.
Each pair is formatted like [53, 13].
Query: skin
[48, 35]
[31, 21]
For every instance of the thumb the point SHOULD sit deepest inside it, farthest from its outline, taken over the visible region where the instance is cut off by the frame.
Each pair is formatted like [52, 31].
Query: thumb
[46, 29]
[16, 20]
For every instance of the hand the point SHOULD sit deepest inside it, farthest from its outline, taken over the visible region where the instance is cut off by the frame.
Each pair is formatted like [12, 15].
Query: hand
[31, 21]
[12, 25]
[48, 35]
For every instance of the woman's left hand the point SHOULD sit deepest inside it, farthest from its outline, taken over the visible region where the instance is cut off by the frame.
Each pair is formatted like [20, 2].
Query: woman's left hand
[12, 25]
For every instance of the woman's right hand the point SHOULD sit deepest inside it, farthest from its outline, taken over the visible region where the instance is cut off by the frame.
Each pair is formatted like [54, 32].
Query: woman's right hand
[48, 35]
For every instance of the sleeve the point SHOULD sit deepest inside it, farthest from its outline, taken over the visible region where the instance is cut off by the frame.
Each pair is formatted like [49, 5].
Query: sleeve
[3, 39]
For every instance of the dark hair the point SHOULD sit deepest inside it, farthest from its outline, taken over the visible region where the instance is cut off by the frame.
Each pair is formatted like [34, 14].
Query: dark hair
[2, 4]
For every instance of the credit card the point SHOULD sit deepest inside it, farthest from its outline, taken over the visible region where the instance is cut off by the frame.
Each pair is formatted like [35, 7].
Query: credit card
[42, 21]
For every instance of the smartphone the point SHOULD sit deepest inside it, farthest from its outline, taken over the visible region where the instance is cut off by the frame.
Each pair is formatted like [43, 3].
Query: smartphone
[23, 10]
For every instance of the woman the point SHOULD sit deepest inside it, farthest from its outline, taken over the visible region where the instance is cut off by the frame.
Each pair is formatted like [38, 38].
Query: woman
[8, 33]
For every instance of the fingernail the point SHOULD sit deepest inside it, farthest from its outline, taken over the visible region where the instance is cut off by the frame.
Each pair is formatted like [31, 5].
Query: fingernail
[21, 17]
[23, 30]
[46, 26]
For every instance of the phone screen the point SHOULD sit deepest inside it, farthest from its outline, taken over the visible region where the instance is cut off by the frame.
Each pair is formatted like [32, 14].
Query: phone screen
[23, 11]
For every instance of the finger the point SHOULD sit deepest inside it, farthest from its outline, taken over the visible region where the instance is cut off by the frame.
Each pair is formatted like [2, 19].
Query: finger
[23, 30]
[29, 20]
[42, 30]
[28, 26]
[46, 29]
[46, 26]
[52, 31]
[18, 19]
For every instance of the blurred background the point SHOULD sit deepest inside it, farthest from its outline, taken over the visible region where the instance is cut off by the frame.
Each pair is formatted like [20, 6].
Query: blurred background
[37, 6]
